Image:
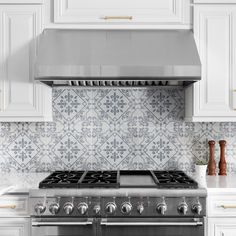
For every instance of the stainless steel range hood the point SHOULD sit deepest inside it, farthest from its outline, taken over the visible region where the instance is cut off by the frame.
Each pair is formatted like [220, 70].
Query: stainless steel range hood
[117, 57]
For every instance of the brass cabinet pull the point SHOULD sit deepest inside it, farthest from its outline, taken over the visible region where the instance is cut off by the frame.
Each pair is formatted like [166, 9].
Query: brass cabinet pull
[117, 17]
[228, 206]
[7, 206]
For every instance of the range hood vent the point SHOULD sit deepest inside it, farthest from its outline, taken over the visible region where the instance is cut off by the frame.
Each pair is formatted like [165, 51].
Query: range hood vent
[117, 58]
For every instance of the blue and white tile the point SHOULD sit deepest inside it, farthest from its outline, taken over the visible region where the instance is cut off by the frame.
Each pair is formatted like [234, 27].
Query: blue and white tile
[124, 128]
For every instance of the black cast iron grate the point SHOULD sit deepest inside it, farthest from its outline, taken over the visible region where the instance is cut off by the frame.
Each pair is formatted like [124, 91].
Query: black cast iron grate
[62, 179]
[174, 179]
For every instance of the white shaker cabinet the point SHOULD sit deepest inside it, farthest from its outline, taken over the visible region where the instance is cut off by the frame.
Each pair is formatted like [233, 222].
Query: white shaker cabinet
[214, 97]
[120, 13]
[221, 214]
[21, 99]
[14, 227]
[221, 227]
[14, 216]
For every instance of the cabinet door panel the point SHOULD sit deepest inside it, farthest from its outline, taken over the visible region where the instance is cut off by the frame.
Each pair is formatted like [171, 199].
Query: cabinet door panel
[14, 227]
[21, 98]
[221, 226]
[214, 31]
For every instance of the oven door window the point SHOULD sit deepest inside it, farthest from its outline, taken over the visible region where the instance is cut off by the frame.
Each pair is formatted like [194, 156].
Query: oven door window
[151, 227]
[59, 227]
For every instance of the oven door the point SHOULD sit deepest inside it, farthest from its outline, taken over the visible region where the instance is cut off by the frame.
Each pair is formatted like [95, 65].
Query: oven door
[63, 227]
[151, 227]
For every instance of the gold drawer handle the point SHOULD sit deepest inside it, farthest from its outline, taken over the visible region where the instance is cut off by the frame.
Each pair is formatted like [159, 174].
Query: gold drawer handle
[8, 206]
[228, 206]
[118, 18]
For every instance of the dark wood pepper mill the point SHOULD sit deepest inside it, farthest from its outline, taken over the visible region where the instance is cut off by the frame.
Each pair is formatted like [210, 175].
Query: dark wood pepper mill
[211, 163]
[222, 163]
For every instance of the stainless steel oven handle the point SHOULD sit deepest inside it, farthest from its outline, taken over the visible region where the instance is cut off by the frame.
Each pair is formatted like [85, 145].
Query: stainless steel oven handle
[151, 223]
[61, 223]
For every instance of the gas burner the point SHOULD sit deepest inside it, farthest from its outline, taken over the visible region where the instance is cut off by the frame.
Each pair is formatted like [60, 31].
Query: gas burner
[111, 179]
[174, 179]
[81, 179]
[62, 179]
[101, 179]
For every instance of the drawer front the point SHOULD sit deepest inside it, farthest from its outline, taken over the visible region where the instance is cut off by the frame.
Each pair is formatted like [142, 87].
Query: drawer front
[222, 206]
[13, 206]
[122, 11]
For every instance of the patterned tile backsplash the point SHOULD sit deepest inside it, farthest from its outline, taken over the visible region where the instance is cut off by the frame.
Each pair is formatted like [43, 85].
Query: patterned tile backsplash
[116, 128]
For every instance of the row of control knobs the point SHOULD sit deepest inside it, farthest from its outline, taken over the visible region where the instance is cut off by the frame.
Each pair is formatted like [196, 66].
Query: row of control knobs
[68, 208]
[111, 208]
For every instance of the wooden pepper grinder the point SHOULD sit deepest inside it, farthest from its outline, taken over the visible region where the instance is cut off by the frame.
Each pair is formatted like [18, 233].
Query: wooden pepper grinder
[222, 163]
[212, 163]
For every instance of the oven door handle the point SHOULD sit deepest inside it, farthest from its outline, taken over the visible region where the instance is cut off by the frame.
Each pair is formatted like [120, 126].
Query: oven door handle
[105, 223]
[37, 224]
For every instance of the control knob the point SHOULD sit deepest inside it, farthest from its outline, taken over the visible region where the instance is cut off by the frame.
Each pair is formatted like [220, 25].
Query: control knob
[140, 209]
[68, 208]
[97, 209]
[197, 208]
[161, 208]
[82, 208]
[110, 207]
[54, 208]
[39, 208]
[183, 208]
[126, 208]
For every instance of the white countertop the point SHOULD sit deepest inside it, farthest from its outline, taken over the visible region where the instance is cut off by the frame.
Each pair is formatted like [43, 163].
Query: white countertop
[221, 184]
[20, 183]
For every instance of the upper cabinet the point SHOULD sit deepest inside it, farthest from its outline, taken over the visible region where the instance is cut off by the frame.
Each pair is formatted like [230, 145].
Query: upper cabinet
[214, 97]
[120, 13]
[22, 21]
[21, 99]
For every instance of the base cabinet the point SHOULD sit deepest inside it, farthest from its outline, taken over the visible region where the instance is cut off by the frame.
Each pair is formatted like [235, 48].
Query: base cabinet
[221, 212]
[14, 215]
[221, 226]
[14, 227]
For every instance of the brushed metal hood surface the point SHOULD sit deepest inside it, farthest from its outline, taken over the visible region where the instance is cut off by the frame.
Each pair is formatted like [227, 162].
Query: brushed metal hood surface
[90, 57]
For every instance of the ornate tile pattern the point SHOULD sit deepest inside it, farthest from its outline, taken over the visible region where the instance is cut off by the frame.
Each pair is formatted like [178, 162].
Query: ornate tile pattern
[22, 148]
[118, 128]
[115, 103]
[115, 149]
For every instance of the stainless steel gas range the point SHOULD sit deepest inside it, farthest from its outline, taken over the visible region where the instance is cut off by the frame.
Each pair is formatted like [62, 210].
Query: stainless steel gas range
[118, 203]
